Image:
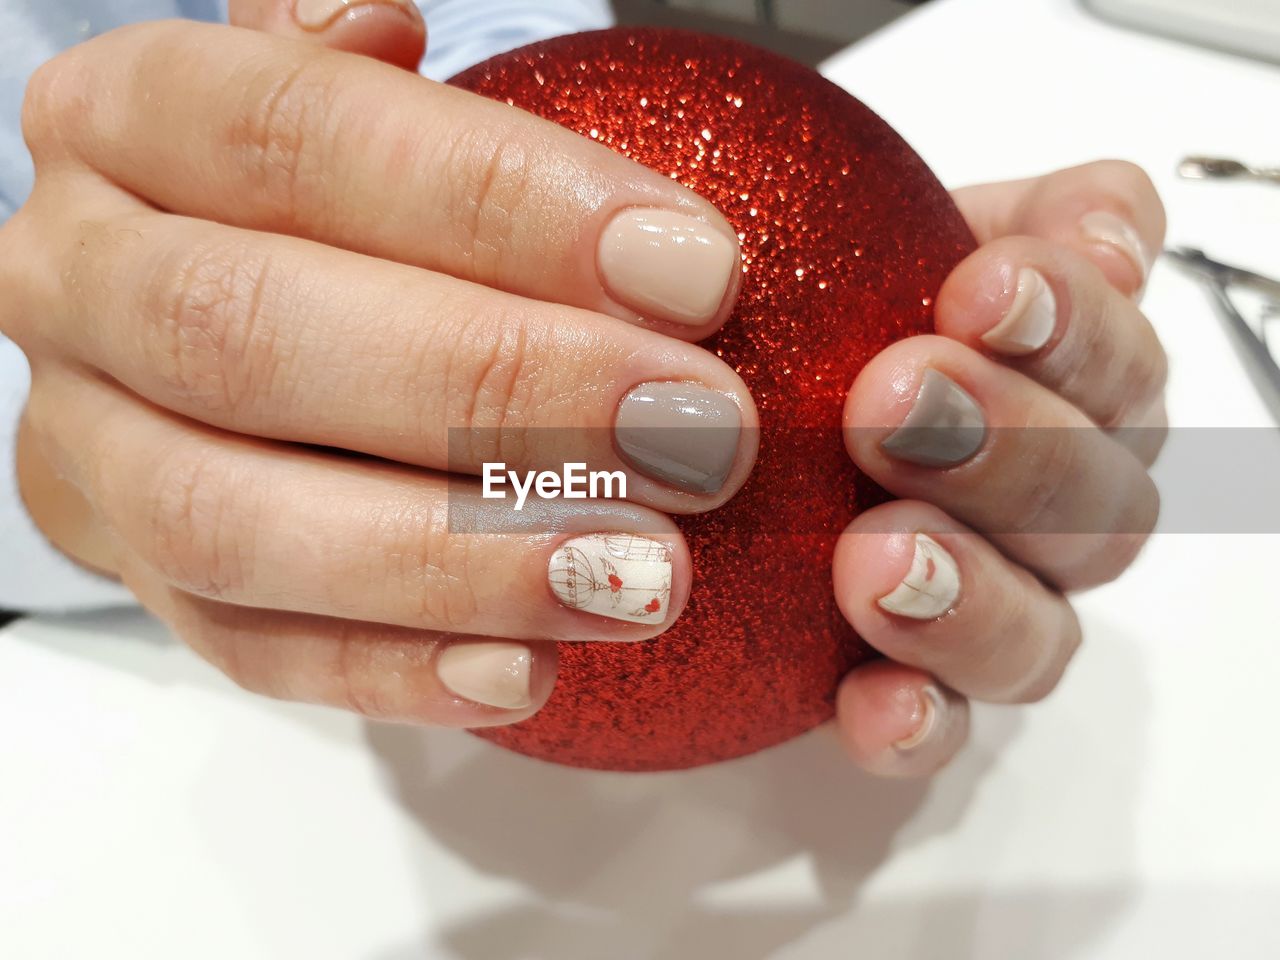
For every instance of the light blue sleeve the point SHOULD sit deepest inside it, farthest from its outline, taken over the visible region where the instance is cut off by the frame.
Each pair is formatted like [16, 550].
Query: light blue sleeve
[34, 576]
[464, 32]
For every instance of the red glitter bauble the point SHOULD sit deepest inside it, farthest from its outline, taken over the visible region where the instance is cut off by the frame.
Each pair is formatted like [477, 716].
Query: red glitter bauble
[846, 238]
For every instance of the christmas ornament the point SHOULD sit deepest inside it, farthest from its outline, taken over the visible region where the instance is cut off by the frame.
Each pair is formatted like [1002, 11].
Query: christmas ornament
[846, 237]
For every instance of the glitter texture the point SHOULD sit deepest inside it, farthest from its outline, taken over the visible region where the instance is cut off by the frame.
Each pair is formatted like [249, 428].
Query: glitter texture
[846, 238]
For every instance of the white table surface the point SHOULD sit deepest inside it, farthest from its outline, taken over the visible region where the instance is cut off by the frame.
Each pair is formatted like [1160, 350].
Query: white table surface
[149, 809]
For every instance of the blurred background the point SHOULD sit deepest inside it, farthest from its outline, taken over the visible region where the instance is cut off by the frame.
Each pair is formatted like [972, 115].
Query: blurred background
[806, 30]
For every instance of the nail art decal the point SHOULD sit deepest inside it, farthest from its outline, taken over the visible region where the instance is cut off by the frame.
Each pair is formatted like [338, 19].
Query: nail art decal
[930, 587]
[617, 575]
[1029, 322]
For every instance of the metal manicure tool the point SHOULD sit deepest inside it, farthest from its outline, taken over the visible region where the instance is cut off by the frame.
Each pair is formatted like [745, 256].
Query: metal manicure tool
[1221, 168]
[1225, 284]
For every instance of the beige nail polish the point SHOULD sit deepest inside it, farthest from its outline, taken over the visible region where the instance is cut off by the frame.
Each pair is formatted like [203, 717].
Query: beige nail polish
[318, 14]
[944, 427]
[495, 674]
[667, 264]
[681, 433]
[932, 706]
[1101, 226]
[931, 585]
[1028, 324]
[617, 575]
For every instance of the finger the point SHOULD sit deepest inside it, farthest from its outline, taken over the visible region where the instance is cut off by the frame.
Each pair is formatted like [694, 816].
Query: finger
[389, 30]
[256, 524]
[930, 593]
[1049, 313]
[1107, 211]
[381, 672]
[895, 721]
[287, 339]
[930, 419]
[262, 133]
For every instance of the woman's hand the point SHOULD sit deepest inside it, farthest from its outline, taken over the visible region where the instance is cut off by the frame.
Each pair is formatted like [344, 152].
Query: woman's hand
[245, 253]
[1019, 439]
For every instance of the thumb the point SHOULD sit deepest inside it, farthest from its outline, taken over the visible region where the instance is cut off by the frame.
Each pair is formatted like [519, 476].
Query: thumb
[389, 30]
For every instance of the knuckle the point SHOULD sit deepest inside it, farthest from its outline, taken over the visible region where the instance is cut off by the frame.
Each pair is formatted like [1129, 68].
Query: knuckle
[442, 570]
[212, 347]
[195, 543]
[217, 643]
[1040, 684]
[1041, 676]
[1108, 555]
[15, 278]
[362, 688]
[1144, 380]
[1133, 187]
[57, 99]
[1048, 464]
[493, 180]
[277, 133]
[493, 388]
[1135, 379]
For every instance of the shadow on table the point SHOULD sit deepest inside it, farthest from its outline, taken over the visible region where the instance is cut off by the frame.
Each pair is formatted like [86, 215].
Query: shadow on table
[659, 866]
[760, 857]
[765, 856]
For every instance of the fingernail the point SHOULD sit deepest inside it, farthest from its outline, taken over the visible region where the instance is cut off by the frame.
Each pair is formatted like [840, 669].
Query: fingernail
[669, 264]
[616, 575]
[945, 425]
[494, 674]
[931, 585]
[1103, 227]
[1028, 323]
[929, 721]
[681, 433]
[318, 14]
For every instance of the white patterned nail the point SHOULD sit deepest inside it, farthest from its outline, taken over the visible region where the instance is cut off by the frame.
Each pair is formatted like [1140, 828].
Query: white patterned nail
[1028, 324]
[495, 674]
[931, 585]
[1103, 227]
[932, 704]
[618, 575]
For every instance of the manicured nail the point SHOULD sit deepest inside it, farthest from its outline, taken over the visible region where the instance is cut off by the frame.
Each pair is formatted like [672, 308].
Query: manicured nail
[1028, 323]
[668, 264]
[318, 14]
[494, 674]
[1103, 227]
[616, 575]
[931, 585]
[945, 425]
[930, 718]
[680, 433]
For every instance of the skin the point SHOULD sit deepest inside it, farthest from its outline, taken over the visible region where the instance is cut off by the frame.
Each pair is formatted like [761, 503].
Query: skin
[196, 346]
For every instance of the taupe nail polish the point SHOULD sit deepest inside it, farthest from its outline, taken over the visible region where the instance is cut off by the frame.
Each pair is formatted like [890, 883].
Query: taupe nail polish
[680, 433]
[945, 426]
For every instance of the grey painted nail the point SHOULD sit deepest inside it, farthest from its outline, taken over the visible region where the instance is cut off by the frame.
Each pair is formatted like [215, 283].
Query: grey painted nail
[945, 425]
[681, 433]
